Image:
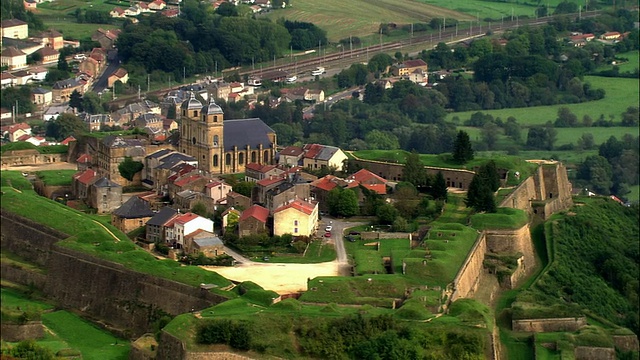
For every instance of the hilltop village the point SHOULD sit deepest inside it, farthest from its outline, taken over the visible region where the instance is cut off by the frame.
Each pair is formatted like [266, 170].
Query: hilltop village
[275, 179]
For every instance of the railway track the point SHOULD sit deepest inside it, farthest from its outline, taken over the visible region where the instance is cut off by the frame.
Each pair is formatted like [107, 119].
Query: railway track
[346, 57]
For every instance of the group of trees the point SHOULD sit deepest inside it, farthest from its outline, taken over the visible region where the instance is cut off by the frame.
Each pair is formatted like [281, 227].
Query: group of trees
[484, 184]
[90, 102]
[614, 169]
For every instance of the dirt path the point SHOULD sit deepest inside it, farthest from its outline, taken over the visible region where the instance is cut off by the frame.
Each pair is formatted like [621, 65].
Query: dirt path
[52, 166]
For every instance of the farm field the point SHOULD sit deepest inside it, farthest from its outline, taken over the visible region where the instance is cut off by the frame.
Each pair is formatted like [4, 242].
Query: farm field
[620, 94]
[59, 15]
[488, 9]
[628, 66]
[360, 18]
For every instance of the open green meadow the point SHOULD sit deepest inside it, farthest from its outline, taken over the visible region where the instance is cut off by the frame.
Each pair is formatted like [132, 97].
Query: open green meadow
[625, 66]
[92, 237]
[634, 195]
[59, 15]
[56, 177]
[359, 17]
[68, 331]
[317, 252]
[620, 94]
[504, 218]
[488, 9]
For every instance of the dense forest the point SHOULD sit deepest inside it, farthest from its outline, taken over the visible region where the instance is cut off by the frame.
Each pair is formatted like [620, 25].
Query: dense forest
[597, 254]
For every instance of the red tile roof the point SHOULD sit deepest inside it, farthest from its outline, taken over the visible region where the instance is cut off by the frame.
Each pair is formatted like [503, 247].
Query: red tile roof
[270, 181]
[291, 151]
[414, 63]
[68, 140]
[186, 218]
[24, 137]
[378, 188]
[86, 176]
[84, 158]
[18, 126]
[257, 212]
[325, 183]
[312, 150]
[364, 175]
[187, 180]
[302, 206]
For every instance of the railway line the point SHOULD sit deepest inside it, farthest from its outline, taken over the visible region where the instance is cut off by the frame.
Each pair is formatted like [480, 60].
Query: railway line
[346, 57]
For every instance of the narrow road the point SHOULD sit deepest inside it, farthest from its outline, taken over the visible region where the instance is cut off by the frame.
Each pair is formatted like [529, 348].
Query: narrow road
[337, 238]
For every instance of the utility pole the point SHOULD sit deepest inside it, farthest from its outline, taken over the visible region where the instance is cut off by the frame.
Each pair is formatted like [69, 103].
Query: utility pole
[148, 82]
[138, 91]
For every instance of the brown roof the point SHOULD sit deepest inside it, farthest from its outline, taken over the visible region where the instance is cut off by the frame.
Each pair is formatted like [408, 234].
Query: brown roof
[49, 34]
[48, 51]
[5, 75]
[11, 23]
[291, 151]
[86, 177]
[11, 52]
[414, 63]
[121, 72]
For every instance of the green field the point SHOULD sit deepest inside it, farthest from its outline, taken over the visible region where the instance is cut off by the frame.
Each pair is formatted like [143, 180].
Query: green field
[359, 17]
[625, 66]
[634, 195]
[504, 218]
[620, 94]
[92, 342]
[59, 15]
[317, 252]
[56, 177]
[488, 9]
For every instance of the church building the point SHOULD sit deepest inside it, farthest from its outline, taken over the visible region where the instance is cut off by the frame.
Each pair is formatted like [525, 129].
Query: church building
[223, 146]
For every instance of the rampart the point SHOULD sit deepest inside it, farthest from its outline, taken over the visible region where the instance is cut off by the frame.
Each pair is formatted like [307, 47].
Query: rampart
[101, 289]
[457, 178]
[30, 157]
[594, 353]
[374, 235]
[466, 282]
[549, 325]
[513, 242]
[20, 332]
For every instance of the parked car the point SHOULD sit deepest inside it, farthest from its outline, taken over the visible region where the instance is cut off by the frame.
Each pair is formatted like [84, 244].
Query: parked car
[327, 234]
[328, 228]
[354, 232]
[80, 57]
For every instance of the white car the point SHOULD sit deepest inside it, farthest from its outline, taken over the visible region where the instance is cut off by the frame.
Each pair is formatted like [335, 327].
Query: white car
[328, 228]
[292, 79]
[79, 57]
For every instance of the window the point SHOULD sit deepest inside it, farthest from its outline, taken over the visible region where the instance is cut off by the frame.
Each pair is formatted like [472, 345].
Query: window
[215, 160]
[295, 222]
[295, 230]
[215, 118]
[215, 140]
[241, 158]
[253, 156]
[227, 159]
[195, 113]
[265, 158]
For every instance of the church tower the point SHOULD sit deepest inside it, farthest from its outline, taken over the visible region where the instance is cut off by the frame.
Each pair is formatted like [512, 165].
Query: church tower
[202, 134]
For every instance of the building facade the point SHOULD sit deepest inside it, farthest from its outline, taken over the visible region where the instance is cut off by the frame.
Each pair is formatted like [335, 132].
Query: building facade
[223, 147]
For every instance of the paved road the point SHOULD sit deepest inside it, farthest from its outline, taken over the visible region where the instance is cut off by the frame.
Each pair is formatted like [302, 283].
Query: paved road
[337, 238]
[114, 63]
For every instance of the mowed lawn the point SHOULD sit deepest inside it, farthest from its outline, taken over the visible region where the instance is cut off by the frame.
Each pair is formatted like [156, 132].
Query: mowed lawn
[342, 19]
[620, 94]
[92, 342]
[58, 15]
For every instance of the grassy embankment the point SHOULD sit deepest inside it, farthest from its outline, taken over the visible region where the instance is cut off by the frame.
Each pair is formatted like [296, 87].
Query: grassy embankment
[66, 331]
[93, 238]
[56, 177]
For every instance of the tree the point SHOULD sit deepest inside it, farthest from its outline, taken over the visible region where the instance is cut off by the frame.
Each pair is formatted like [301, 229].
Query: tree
[386, 214]
[479, 196]
[91, 103]
[566, 118]
[75, 100]
[596, 170]
[62, 64]
[200, 209]
[489, 174]
[413, 170]
[462, 150]
[489, 135]
[439, 188]
[66, 124]
[586, 142]
[512, 129]
[243, 188]
[128, 168]
[381, 140]
[630, 117]
[342, 202]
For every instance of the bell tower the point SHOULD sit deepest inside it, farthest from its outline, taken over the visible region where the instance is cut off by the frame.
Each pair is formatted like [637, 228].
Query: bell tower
[212, 120]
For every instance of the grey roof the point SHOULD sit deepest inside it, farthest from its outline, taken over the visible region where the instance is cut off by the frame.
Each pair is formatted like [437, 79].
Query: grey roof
[243, 132]
[11, 22]
[212, 108]
[174, 159]
[208, 241]
[192, 103]
[104, 182]
[280, 188]
[188, 194]
[134, 208]
[161, 217]
[159, 153]
[117, 141]
[68, 83]
[18, 43]
[327, 152]
[40, 90]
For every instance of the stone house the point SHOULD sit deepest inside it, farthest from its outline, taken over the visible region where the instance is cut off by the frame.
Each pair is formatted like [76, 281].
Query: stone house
[298, 218]
[134, 213]
[80, 183]
[155, 225]
[238, 201]
[106, 38]
[290, 156]
[255, 172]
[322, 156]
[205, 242]
[229, 218]
[409, 66]
[40, 96]
[62, 89]
[253, 221]
[105, 195]
[119, 75]
[50, 38]
[217, 190]
[13, 58]
[183, 225]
